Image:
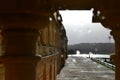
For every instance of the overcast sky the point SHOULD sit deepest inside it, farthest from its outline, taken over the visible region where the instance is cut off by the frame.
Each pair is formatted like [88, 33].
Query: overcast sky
[80, 29]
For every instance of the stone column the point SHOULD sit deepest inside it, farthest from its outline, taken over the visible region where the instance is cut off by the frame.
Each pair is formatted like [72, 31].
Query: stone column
[19, 57]
[20, 33]
[116, 56]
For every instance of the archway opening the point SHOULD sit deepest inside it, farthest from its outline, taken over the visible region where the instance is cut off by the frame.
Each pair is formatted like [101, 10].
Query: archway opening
[92, 40]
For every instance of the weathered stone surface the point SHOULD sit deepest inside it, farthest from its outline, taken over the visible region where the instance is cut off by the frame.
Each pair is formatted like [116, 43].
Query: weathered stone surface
[78, 68]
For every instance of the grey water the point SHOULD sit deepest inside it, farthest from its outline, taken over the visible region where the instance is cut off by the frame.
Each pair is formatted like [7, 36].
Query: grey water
[91, 55]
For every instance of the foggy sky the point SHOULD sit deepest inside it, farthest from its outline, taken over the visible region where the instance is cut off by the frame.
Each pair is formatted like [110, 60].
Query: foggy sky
[80, 29]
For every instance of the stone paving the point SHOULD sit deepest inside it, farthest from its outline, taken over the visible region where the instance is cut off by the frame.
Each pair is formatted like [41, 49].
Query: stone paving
[79, 68]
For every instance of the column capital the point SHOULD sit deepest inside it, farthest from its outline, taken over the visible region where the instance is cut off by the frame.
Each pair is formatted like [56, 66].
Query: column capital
[115, 32]
[23, 21]
[110, 18]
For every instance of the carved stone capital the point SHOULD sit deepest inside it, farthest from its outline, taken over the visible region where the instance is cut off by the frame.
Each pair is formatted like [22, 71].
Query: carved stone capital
[116, 36]
[18, 21]
[115, 32]
[110, 18]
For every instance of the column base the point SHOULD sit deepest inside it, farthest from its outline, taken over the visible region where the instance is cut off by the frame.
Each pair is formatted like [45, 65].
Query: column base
[20, 68]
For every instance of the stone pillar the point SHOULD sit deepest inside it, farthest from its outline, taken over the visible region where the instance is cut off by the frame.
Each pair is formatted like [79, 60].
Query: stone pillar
[116, 56]
[111, 20]
[20, 33]
[19, 57]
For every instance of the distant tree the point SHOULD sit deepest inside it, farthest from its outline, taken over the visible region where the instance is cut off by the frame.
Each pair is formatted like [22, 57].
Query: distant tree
[71, 51]
[98, 48]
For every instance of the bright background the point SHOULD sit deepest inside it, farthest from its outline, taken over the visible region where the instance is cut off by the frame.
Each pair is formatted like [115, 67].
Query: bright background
[80, 29]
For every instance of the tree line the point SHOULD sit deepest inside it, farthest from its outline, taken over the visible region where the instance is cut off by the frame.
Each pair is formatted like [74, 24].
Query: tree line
[96, 48]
